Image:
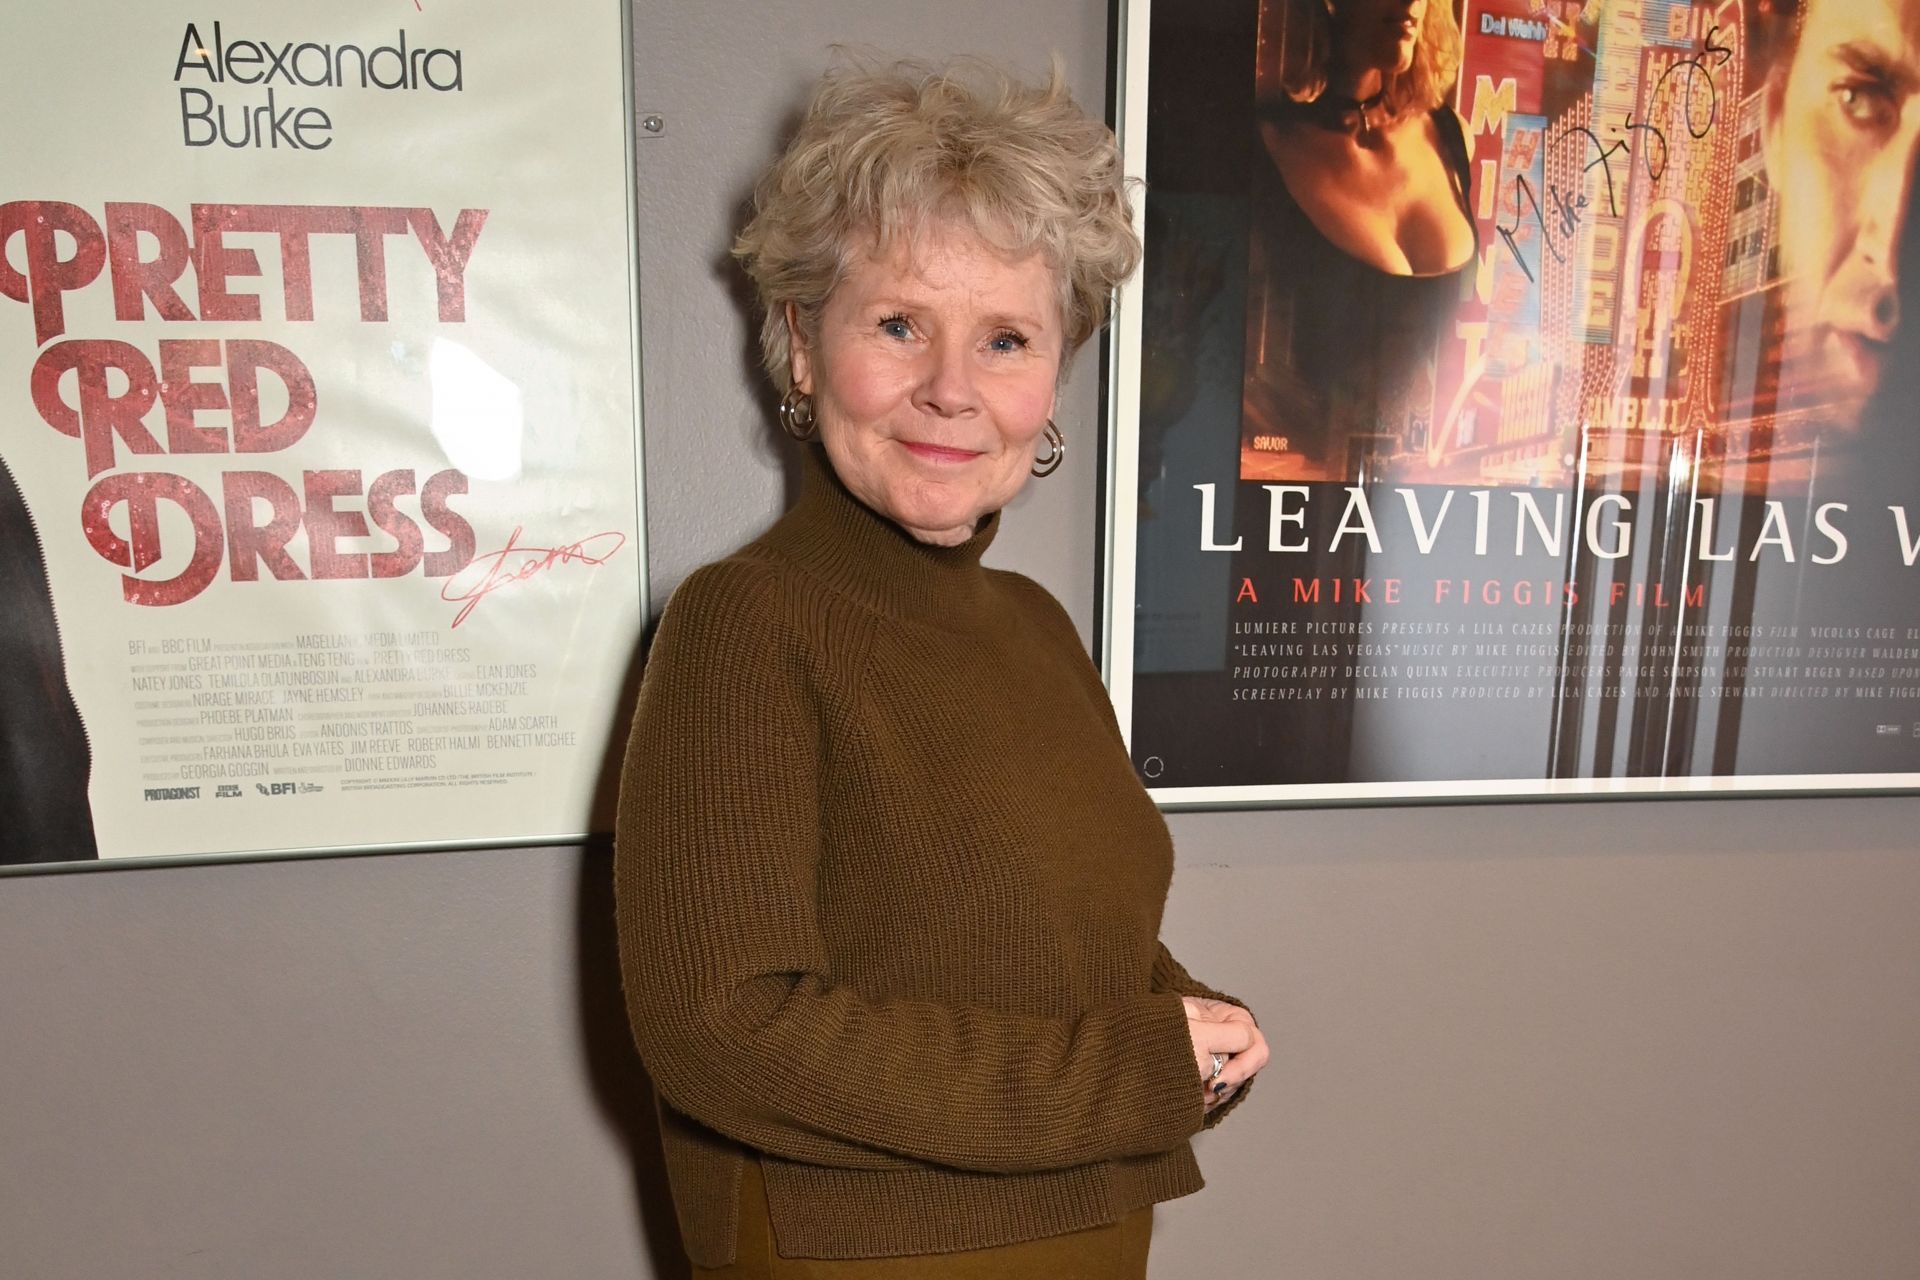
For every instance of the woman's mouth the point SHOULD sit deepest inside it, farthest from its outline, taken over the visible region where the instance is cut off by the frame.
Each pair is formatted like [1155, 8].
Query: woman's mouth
[938, 452]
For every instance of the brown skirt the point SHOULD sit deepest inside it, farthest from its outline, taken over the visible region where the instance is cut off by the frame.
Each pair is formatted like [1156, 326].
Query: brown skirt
[1117, 1251]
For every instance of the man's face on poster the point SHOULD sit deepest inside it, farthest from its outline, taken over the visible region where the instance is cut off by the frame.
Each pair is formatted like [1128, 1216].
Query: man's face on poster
[1842, 128]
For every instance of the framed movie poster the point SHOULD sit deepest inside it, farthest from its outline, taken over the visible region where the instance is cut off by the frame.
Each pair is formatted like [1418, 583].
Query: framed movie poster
[320, 498]
[1518, 399]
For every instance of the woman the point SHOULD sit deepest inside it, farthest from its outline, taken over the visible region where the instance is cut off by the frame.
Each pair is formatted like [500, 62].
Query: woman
[888, 887]
[1361, 234]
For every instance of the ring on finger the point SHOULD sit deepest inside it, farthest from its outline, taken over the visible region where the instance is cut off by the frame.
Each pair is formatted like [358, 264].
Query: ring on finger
[1219, 1065]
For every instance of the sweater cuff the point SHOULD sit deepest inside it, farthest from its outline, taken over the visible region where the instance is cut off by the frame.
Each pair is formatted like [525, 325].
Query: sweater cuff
[1179, 1106]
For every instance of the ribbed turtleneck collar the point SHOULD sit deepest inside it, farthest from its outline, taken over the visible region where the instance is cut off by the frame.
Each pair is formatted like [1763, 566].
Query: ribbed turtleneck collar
[869, 558]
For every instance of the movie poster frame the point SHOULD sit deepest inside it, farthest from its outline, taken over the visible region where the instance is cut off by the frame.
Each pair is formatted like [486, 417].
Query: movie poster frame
[1120, 472]
[637, 544]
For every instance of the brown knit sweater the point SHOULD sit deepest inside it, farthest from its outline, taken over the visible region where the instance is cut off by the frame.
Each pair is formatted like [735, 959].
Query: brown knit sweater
[889, 900]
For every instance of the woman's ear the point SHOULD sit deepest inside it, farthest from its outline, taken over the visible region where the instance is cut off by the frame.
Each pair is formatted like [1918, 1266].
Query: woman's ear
[799, 358]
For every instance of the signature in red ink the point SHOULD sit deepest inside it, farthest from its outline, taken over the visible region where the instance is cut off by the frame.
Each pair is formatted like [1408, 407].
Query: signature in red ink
[515, 563]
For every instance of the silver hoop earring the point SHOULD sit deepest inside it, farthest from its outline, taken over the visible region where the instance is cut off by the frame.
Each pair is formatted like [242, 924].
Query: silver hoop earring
[796, 414]
[1057, 449]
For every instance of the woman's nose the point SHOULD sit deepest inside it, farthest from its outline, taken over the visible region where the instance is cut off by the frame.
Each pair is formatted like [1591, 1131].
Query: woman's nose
[947, 388]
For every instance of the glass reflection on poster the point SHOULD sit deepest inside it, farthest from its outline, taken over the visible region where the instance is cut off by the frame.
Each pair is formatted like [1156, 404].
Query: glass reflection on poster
[1518, 399]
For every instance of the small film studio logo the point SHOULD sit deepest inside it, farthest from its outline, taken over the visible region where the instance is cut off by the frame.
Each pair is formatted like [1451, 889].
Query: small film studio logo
[226, 791]
[287, 788]
[173, 793]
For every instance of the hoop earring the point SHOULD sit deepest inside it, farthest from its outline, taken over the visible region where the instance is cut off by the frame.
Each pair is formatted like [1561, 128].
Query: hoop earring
[796, 414]
[1057, 449]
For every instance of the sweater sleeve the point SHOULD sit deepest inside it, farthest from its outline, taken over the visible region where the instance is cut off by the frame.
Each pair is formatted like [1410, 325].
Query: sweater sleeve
[1168, 973]
[736, 1014]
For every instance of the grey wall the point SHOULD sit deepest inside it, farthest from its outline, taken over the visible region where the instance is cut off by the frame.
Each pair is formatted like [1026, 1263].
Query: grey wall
[1653, 1039]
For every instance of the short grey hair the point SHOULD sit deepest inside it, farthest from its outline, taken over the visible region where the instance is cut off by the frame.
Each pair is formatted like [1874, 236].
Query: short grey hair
[885, 148]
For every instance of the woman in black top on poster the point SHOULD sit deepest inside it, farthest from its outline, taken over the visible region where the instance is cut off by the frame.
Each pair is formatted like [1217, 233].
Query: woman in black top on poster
[1361, 233]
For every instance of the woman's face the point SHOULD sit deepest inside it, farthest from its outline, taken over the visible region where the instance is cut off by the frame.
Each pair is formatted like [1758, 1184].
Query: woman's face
[1377, 35]
[931, 377]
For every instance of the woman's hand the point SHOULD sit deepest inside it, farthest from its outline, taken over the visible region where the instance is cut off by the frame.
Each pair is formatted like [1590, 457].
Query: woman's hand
[1218, 1027]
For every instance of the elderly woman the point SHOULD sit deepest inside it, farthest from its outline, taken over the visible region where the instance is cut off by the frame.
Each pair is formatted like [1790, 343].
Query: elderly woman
[889, 891]
[1361, 233]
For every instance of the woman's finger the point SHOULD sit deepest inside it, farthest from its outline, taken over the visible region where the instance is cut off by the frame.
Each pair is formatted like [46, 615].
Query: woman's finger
[1205, 1051]
[1215, 1010]
[1218, 1040]
[1243, 1066]
[1224, 1037]
[1220, 1098]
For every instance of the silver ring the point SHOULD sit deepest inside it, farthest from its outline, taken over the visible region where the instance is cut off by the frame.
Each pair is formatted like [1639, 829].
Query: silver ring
[1219, 1065]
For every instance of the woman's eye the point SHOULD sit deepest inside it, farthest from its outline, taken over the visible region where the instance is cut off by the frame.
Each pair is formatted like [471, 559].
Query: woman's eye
[896, 327]
[1866, 104]
[1006, 340]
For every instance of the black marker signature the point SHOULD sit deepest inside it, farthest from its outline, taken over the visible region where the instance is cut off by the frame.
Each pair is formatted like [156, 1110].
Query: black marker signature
[1697, 77]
